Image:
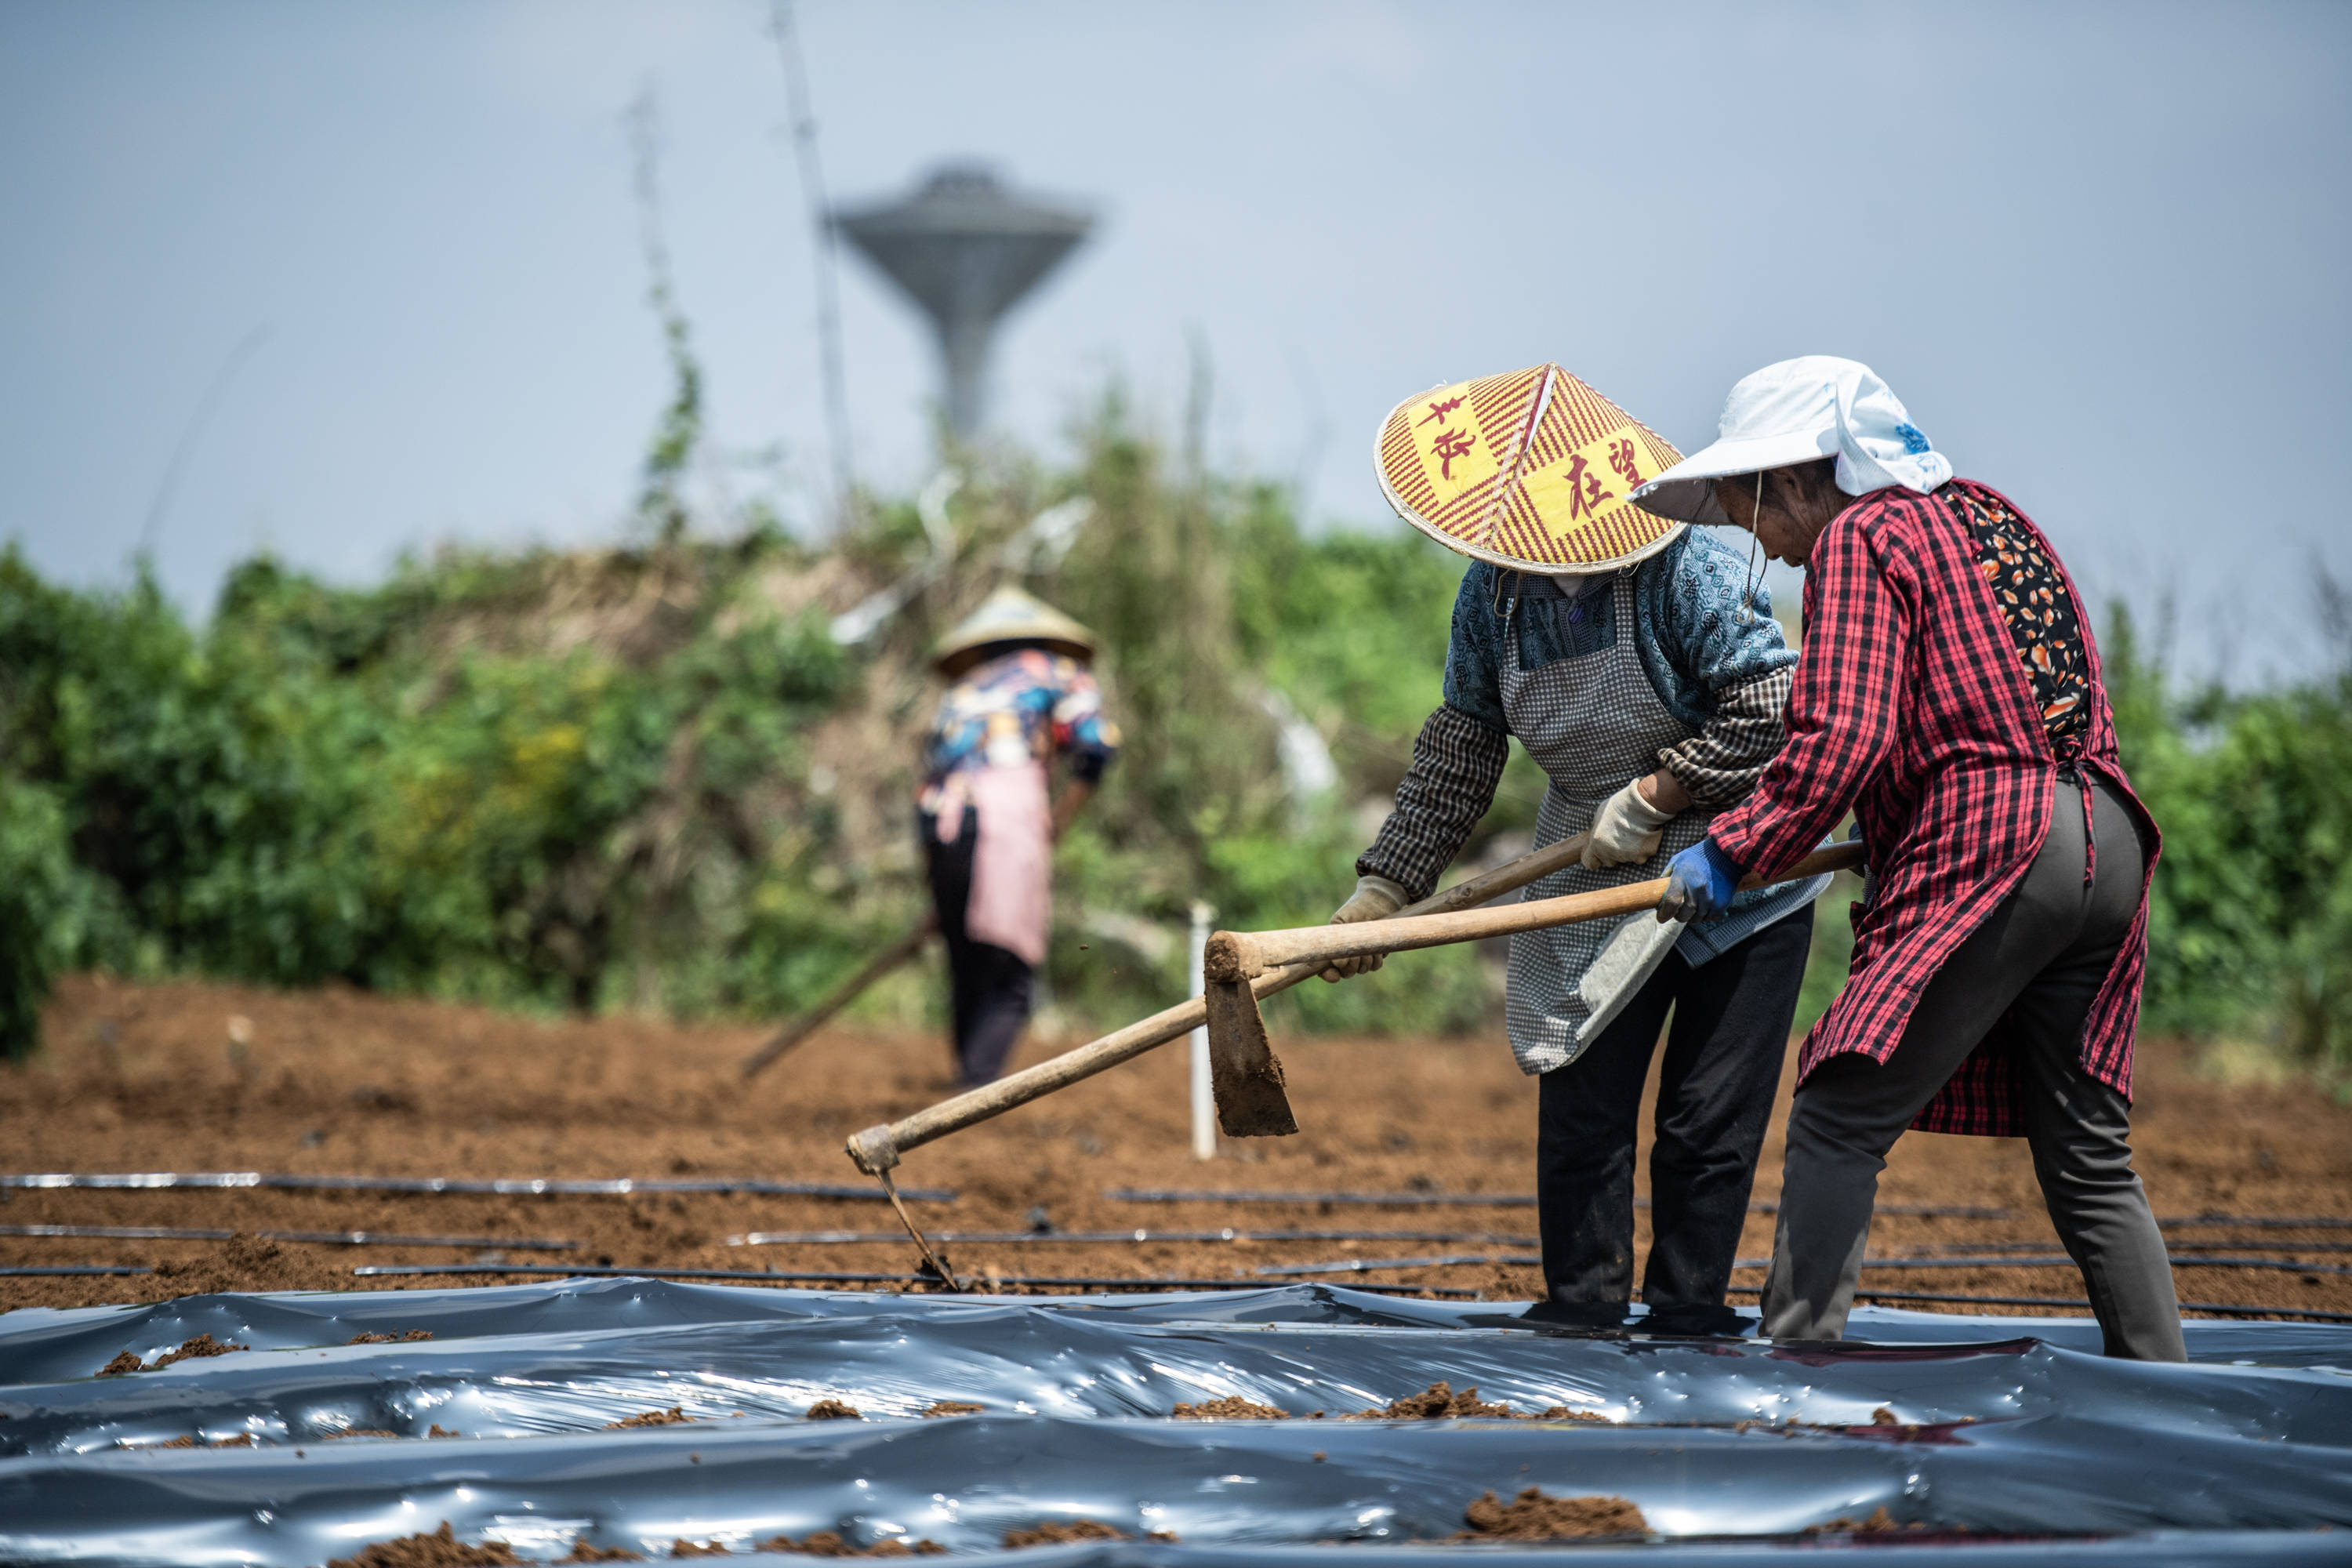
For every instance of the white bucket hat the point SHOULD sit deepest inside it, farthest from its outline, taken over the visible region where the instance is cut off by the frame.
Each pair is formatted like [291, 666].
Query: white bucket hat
[1794, 412]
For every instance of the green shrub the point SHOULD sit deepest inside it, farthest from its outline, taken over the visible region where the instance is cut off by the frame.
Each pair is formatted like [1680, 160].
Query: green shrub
[648, 777]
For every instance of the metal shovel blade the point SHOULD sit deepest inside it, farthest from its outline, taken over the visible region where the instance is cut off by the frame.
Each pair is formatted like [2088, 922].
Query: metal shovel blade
[1243, 1071]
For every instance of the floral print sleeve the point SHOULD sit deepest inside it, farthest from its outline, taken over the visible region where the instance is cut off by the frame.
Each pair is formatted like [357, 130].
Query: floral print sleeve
[1082, 731]
[2041, 616]
[1021, 707]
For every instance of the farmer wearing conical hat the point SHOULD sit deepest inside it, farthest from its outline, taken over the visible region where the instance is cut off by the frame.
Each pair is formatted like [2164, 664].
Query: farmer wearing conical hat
[1644, 674]
[1951, 697]
[1019, 694]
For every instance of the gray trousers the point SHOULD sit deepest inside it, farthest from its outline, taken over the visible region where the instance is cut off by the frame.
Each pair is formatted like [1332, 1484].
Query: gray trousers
[2040, 957]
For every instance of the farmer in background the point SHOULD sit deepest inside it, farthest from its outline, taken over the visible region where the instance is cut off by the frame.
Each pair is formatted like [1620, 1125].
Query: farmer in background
[1647, 677]
[1019, 694]
[1949, 696]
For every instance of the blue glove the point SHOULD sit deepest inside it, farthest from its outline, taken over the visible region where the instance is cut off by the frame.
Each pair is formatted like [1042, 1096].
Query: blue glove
[1700, 882]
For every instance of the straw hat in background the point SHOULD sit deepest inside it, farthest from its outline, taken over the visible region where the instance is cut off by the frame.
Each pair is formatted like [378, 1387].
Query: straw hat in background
[1531, 471]
[1010, 617]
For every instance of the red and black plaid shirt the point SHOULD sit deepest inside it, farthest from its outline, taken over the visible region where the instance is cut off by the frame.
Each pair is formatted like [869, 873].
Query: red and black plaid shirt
[1911, 708]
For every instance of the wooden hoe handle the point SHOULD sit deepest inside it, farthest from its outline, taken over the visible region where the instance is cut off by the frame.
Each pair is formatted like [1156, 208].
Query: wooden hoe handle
[1247, 955]
[843, 995]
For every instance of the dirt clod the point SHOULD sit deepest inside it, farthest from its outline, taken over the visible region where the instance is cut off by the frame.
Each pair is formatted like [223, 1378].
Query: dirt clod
[685, 1548]
[834, 1410]
[1567, 1413]
[411, 1336]
[442, 1549]
[1435, 1403]
[1232, 1407]
[954, 1407]
[194, 1350]
[190, 1349]
[674, 1416]
[438, 1432]
[582, 1552]
[358, 1432]
[1535, 1515]
[1883, 1417]
[1054, 1533]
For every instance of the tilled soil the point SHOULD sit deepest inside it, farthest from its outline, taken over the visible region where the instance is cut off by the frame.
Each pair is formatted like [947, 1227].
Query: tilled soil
[151, 1077]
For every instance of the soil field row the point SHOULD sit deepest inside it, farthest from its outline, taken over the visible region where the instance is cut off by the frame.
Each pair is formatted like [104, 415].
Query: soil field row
[206, 1078]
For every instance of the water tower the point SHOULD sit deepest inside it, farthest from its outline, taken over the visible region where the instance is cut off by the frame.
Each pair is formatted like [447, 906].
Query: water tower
[965, 249]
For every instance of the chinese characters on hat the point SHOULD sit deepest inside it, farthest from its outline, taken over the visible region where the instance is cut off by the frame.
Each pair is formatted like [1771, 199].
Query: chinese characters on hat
[1530, 469]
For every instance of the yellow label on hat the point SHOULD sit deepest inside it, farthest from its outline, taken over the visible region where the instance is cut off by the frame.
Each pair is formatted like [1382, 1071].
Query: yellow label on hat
[1455, 453]
[1591, 482]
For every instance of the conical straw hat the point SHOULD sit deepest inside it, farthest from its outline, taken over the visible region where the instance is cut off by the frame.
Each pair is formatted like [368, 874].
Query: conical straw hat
[1010, 615]
[1529, 470]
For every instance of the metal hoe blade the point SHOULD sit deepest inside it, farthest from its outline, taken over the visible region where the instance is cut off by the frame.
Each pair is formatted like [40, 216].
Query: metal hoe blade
[1243, 1071]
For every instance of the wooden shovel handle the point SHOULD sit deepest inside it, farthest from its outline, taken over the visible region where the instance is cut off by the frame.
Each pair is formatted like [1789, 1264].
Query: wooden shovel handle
[877, 1148]
[1246, 955]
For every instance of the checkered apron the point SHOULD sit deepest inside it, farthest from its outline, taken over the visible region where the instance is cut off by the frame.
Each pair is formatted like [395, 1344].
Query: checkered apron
[1594, 723]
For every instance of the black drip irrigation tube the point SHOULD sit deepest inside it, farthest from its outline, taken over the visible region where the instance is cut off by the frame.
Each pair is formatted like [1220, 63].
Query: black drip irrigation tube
[2060, 1260]
[1473, 1200]
[320, 1237]
[2053, 1260]
[747, 1275]
[2235, 1244]
[2222, 1309]
[1115, 1237]
[2274, 1221]
[528, 1186]
[58, 1271]
[754, 1276]
[1362, 1265]
[1365, 1200]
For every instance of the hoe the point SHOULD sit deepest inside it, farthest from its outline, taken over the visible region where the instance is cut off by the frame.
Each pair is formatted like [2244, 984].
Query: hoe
[1244, 967]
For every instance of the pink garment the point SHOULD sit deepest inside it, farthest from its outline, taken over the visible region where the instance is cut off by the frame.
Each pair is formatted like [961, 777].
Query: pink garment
[1012, 862]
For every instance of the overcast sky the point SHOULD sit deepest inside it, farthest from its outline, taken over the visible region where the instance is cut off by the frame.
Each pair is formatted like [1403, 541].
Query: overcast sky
[2103, 252]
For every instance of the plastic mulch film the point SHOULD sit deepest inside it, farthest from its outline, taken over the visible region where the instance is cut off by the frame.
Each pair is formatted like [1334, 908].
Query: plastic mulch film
[2002, 1440]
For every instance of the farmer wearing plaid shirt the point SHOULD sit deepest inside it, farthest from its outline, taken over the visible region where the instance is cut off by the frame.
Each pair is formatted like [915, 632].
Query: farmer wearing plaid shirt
[1649, 687]
[1949, 696]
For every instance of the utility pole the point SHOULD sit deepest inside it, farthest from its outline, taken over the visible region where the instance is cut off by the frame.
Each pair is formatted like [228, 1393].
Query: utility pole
[829, 296]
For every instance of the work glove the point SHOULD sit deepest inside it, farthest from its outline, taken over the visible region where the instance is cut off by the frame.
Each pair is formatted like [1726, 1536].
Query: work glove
[1375, 898]
[1700, 883]
[1627, 828]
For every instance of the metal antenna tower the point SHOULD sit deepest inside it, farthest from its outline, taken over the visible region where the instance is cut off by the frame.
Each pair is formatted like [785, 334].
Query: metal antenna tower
[965, 249]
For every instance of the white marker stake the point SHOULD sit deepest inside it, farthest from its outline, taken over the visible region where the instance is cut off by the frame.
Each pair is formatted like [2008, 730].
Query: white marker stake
[1205, 1110]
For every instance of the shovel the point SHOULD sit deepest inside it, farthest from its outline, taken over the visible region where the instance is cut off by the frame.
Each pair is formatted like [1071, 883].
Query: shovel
[842, 996]
[1246, 1066]
[1250, 1102]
